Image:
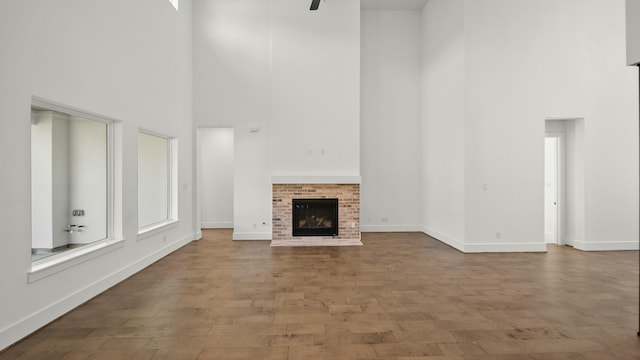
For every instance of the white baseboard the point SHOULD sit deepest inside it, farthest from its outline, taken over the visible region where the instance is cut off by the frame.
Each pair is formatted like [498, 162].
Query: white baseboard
[606, 246]
[216, 224]
[454, 243]
[390, 228]
[251, 235]
[22, 328]
[505, 247]
[485, 247]
[197, 235]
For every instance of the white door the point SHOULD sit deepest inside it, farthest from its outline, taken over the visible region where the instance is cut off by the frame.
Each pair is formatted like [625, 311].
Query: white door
[551, 176]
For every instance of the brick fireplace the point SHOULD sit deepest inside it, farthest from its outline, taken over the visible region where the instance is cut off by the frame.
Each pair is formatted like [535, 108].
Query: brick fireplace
[348, 195]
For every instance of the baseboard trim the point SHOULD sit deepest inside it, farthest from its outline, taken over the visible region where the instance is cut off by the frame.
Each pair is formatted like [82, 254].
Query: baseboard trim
[448, 240]
[216, 224]
[507, 247]
[251, 235]
[22, 328]
[390, 228]
[606, 246]
[484, 247]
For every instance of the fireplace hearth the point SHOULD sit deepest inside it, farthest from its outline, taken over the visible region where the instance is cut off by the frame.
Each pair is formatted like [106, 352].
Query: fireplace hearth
[315, 217]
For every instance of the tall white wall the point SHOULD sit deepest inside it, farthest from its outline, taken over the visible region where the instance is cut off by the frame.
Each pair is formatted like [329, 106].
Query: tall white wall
[390, 143]
[293, 77]
[315, 92]
[443, 121]
[633, 31]
[139, 72]
[216, 177]
[523, 62]
[232, 57]
[527, 61]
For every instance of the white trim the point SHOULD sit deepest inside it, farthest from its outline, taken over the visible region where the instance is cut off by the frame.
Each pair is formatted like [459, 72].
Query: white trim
[448, 240]
[217, 225]
[43, 268]
[309, 241]
[22, 328]
[339, 179]
[156, 228]
[505, 247]
[564, 118]
[390, 228]
[197, 236]
[251, 235]
[485, 247]
[606, 246]
[70, 110]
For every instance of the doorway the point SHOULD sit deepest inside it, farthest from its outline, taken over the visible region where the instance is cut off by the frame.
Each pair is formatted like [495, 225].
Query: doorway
[564, 189]
[215, 177]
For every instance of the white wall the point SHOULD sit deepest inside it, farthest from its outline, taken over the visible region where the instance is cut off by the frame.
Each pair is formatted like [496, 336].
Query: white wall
[443, 121]
[216, 177]
[390, 144]
[42, 181]
[139, 72]
[232, 58]
[315, 92]
[88, 179]
[633, 31]
[61, 178]
[524, 64]
[291, 73]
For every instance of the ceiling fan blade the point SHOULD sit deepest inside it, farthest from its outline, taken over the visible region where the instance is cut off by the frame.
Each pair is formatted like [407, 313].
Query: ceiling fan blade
[315, 4]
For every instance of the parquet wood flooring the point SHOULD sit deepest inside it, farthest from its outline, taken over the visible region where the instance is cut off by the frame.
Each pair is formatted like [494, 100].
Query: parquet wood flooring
[400, 296]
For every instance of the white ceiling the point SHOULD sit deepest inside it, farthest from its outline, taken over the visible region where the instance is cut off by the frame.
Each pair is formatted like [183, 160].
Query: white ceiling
[393, 4]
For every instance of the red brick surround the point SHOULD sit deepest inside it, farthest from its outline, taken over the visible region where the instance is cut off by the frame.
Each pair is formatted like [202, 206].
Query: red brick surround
[348, 196]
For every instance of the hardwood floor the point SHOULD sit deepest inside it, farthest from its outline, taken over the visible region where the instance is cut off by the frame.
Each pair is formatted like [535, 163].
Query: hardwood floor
[400, 296]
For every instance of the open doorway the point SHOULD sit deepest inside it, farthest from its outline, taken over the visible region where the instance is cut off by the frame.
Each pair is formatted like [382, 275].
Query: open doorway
[215, 177]
[564, 189]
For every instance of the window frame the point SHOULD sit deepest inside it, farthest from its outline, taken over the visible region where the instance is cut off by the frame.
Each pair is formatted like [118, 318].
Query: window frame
[114, 240]
[172, 219]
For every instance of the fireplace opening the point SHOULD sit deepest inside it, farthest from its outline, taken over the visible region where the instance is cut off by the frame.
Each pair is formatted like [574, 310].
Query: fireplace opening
[315, 217]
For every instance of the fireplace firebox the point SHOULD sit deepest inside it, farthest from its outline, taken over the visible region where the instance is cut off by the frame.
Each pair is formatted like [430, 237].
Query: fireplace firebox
[315, 217]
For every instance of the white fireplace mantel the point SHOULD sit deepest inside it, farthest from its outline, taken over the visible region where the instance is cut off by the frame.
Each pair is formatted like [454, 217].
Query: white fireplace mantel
[319, 179]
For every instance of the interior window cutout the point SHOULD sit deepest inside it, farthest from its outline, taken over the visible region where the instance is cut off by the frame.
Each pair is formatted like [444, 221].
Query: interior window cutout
[69, 181]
